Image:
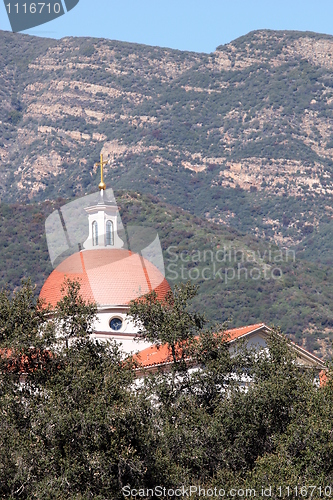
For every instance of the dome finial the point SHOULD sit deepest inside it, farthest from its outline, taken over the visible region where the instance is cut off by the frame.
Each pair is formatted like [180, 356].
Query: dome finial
[101, 185]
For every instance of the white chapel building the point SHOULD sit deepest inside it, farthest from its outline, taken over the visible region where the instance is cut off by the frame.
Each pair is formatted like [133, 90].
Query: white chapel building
[109, 275]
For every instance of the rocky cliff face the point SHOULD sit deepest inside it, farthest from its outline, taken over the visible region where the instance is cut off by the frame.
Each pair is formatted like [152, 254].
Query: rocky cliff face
[243, 135]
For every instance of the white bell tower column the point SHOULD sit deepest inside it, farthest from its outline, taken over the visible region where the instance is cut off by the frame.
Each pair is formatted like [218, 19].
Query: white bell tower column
[103, 230]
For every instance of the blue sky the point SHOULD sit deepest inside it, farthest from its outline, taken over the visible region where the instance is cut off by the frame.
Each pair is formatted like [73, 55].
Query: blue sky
[196, 25]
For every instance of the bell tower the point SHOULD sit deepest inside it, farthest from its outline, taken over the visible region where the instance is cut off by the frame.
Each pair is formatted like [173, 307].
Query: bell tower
[103, 221]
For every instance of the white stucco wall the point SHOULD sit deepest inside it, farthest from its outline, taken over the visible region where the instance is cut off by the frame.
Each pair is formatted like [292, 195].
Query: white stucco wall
[126, 336]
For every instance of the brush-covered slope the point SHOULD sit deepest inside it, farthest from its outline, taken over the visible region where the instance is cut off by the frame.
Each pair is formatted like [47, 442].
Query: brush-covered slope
[241, 278]
[243, 136]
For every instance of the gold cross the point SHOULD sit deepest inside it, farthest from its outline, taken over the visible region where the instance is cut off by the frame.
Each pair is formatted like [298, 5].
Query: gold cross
[101, 185]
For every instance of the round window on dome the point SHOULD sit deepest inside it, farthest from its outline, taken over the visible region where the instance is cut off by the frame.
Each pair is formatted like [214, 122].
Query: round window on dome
[115, 324]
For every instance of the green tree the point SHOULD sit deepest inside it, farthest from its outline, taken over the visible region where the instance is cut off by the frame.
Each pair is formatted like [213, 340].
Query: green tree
[82, 426]
[169, 321]
[224, 417]
[74, 317]
[201, 375]
[26, 333]
[73, 431]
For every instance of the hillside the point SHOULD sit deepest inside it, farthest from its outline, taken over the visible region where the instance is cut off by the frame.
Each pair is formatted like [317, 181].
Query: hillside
[299, 298]
[243, 135]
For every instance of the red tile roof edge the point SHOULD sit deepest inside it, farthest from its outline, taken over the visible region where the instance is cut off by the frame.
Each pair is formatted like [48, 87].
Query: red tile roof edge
[165, 353]
[20, 363]
[232, 335]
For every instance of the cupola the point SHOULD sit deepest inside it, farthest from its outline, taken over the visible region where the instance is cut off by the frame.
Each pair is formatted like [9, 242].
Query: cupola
[102, 219]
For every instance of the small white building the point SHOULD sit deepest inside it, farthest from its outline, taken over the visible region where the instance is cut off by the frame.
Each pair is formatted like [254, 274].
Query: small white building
[153, 358]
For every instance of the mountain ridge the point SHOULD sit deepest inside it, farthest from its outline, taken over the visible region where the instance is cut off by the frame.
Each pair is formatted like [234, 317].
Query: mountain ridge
[249, 124]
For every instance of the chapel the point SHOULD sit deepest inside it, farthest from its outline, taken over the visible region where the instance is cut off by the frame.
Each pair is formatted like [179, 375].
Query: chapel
[109, 275]
[112, 275]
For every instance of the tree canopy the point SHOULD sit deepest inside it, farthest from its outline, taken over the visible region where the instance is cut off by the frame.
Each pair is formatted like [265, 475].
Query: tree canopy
[77, 423]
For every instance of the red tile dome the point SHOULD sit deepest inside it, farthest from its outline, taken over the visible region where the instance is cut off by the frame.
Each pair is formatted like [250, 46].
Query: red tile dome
[108, 277]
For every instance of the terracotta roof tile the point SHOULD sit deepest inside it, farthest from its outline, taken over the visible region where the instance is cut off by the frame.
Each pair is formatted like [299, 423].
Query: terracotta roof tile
[22, 363]
[152, 356]
[107, 276]
[235, 333]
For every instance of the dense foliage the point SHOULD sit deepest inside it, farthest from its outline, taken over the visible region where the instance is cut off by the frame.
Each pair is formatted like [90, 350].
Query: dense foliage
[76, 425]
[23, 248]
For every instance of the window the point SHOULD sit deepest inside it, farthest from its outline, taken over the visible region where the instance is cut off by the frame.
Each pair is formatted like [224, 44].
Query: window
[116, 324]
[95, 233]
[109, 232]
